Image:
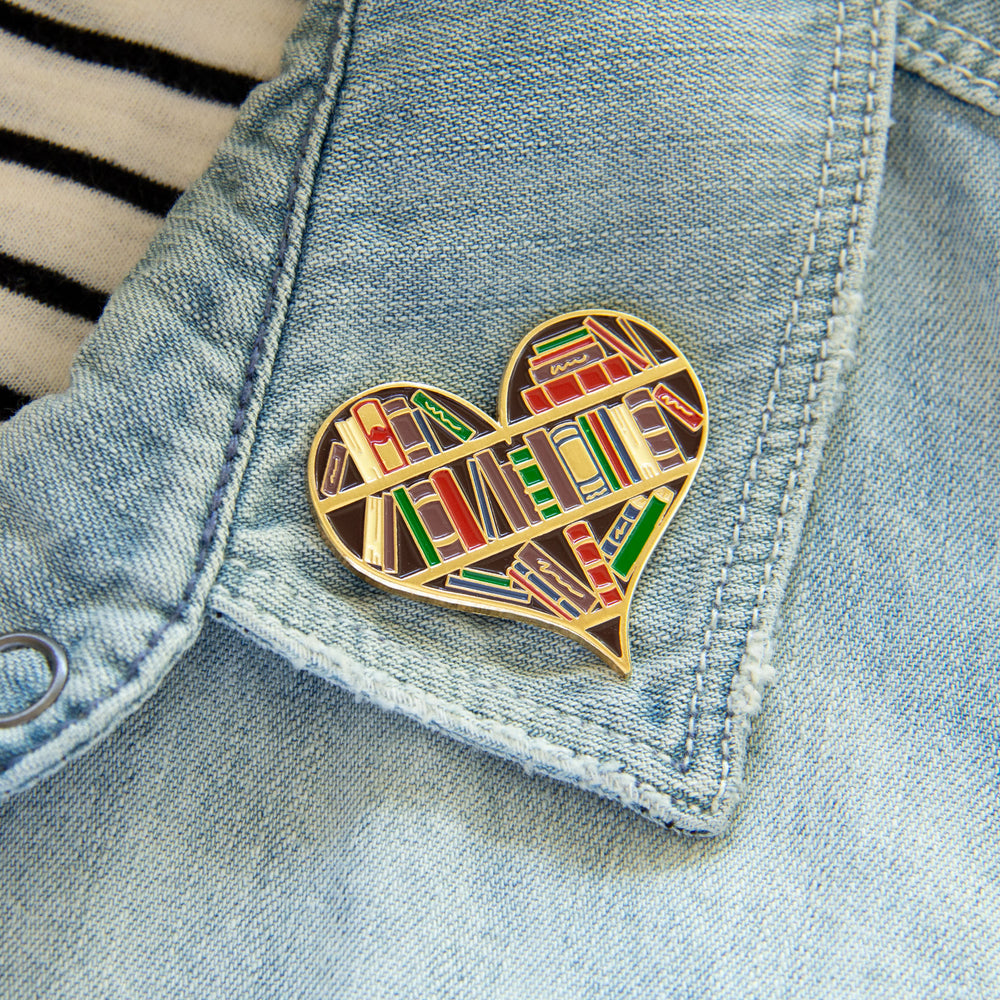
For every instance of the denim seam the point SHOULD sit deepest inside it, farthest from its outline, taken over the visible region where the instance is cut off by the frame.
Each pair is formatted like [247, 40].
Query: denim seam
[540, 709]
[606, 777]
[947, 26]
[754, 668]
[941, 60]
[239, 429]
[753, 661]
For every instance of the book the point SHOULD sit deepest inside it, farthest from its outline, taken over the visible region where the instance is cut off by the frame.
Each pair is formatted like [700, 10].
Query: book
[541, 591]
[577, 354]
[450, 421]
[541, 486]
[617, 446]
[612, 541]
[640, 532]
[488, 480]
[517, 488]
[483, 504]
[590, 426]
[336, 469]
[390, 543]
[649, 419]
[619, 344]
[427, 431]
[486, 583]
[435, 519]
[633, 441]
[407, 430]
[579, 462]
[457, 507]
[537, 486]
[378, 433]
[575, 385]
[584, 545]
[635, 338]
[372, 548]
[416, 526]
[678, 408]
[358, 448]
[545, 568]
[560, 340]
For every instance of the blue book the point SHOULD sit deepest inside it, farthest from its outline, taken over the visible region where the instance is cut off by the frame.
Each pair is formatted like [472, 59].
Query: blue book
[618, 532]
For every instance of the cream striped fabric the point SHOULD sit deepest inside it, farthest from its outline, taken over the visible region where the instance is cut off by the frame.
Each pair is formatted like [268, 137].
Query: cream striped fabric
[108, 110]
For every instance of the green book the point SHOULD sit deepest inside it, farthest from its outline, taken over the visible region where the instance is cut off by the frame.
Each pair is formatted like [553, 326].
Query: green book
[416, 526]
[439, 412]
[534, 482]
[640, 532]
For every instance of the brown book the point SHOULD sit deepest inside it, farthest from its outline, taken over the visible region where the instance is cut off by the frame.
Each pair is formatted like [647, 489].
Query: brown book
[553, 470]
[566, 359]
[484, 464]
[517, 488]
[435, 519]
[336, 467]
[409, 434]
[389, 542]
[649, 419]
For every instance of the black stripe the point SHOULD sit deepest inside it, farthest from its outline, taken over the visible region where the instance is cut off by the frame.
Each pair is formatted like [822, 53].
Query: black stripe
[171, 70]
[51, 288]
[90, 170]
[10, 402]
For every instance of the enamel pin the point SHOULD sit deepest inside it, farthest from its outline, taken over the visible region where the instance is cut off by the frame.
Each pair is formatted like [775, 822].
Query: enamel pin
[548, 514]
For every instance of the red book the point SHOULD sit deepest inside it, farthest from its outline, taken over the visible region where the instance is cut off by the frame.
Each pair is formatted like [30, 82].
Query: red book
[584, 545]
[458, 509]
[617, 343]
[678, 407]
[536, 399]
[564, 389]
[593, 377]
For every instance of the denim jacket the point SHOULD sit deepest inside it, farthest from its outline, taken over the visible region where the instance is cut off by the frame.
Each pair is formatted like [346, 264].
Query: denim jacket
[422, 186]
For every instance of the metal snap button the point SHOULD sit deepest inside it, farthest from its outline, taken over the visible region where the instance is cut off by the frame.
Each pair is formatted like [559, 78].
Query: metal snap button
[58, 663]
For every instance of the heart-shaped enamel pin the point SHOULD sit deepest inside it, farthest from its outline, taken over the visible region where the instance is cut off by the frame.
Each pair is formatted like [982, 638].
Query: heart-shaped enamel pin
[548, 515]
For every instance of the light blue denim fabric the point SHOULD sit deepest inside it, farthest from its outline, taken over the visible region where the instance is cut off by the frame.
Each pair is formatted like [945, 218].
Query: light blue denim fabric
[254, 832]
[455, 176]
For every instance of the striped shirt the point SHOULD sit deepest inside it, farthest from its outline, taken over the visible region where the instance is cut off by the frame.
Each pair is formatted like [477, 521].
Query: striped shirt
[108, 110]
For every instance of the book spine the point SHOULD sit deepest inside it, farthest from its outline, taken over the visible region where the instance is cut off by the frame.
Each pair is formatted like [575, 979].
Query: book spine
[336, 469]
[541, 448]
[554, 343]
[683, 411]
[540, 590]
[564, 389]
[568, 358]
[565, 583]
[497, 586]
[450, 421]
[517, 488]
[427, 431]
[492, 477]
[535, 483]
[536, 399]
[576, 457]
[617, 445]
[372, 553]
[641, 532]
[407, 431]
[601, 450]
[612, 541]
[636, 340]
[457, 508]
[431, 511]
[648, 418]
[485, 508]
[389, 539]
[617, 343]
[381, 438]
[634, 442]
[355, 442]
[416, 526]
[584, 546]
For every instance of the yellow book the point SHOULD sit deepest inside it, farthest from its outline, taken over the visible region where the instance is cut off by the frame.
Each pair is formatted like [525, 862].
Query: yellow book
[635, 443]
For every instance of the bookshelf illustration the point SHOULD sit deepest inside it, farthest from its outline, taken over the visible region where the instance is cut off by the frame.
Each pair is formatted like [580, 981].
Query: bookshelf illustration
[549, 513]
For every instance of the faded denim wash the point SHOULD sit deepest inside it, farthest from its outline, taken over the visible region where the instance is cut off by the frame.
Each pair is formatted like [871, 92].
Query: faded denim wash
[420, 188]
